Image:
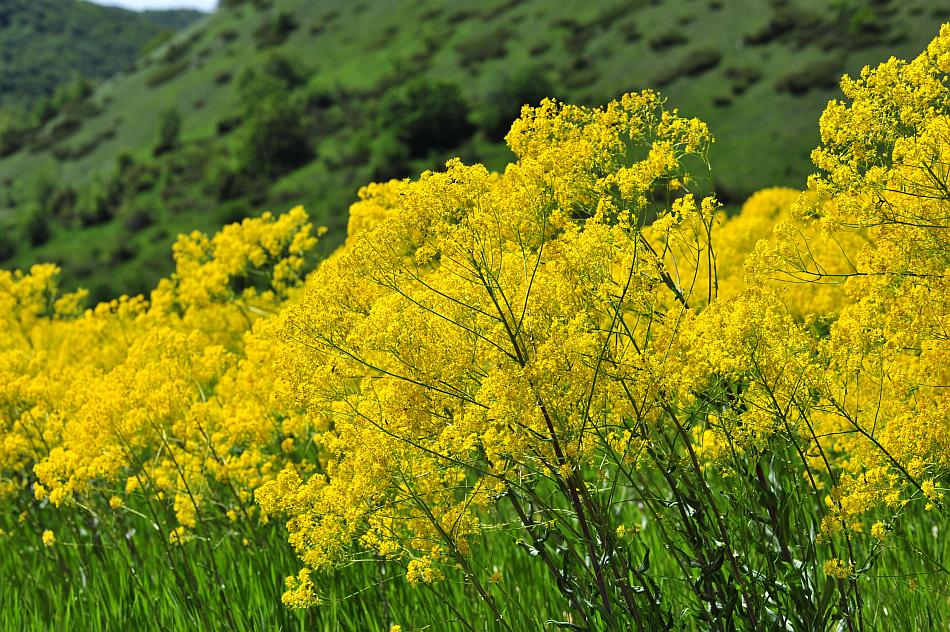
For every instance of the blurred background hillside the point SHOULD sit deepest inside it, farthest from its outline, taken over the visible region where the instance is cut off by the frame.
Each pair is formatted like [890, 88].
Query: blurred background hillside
[120, 129]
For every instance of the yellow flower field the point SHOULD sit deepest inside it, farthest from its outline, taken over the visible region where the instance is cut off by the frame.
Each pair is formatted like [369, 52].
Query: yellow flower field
[575, 394]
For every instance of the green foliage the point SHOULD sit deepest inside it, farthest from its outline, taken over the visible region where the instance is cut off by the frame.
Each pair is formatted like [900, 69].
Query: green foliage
[99, 202]
[158, 40]
[63, 202]
[14, 129]
[388, 156]
[126, 578]
[139, 219]
[37, 230]
[275, 30]
[284, 70]
[44, 44]
[818, 75]
[44, 110]
[502, 100]
[168, 131]
[167, 72]
[483, 47]
[426, 115]
[172, 19]
[274, 137]
[72, 95]
[175, 589]
[7, 246]
[18, 126]
[42, 193]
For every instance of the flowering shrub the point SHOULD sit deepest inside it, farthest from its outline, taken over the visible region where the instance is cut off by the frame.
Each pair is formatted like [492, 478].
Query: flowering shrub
[152, 395]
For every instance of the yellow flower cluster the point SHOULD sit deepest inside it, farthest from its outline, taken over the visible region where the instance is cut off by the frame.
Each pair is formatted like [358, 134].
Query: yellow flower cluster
[167, 396]
[838, 569]
[481, 330]
[884, 180]
[862, 258]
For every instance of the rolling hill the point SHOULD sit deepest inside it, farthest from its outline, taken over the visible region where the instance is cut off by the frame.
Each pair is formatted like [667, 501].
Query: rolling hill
[269, 103]
[45, 43]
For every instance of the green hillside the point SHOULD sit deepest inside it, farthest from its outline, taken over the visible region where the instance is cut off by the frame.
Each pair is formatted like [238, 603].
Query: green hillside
[270, 103]
[172, 19]
[45, 43]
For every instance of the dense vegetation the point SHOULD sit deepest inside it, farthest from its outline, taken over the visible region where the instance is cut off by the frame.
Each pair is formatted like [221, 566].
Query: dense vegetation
[572, 394]
[290, 100]
[44, 45]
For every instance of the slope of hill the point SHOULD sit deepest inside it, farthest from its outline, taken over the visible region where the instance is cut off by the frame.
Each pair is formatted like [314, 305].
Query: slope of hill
[45, 43]
[172, 19]
[273, 102]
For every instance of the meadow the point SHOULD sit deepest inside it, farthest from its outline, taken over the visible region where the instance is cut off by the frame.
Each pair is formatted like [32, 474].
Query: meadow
[572, 393]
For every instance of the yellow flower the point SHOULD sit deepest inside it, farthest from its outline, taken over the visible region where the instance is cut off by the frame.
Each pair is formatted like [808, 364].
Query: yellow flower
[49, 538]
[300, 593]
[836, 568]
[421, 570]
[179, 535]
[878, 530]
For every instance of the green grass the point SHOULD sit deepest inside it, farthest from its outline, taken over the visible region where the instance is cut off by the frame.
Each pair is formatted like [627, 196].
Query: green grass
[132, 578]
[116, 570]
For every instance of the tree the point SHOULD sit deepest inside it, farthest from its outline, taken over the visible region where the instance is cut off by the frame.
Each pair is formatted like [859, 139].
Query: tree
[274, 137]
[426, 115]
[169, 128]
[508, 92]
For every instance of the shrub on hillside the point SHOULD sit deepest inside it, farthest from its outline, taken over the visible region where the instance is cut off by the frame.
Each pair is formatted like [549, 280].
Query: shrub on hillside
[7, 246]
[37, 229]
[99, 203]
[285, 70]
[503, 100]
[12, 136]
[167, 72]
[819, 75]
[63, 201]
[426, 115]
[156, 42]
[273, 138]
[275, 30]
[139, 219]
[44, 111]
[73, 94]
[169, 128]
[388, 157]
